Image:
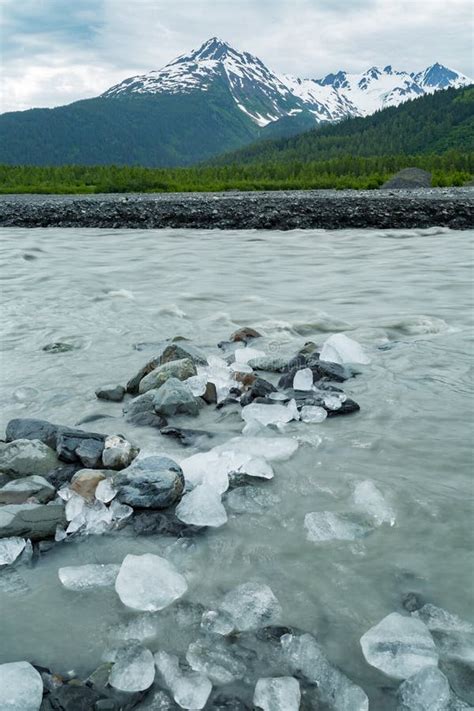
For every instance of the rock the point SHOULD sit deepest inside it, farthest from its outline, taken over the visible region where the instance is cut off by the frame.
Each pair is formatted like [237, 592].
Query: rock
[19, 491]
[88, 577]
[180, 369]
[408, 179]
[149, 583]
[28, 428]
[140, 411]
[133, 669]
[26, 457]
[163, 524]
[76, 445]
[460, 673]
[269, 364]
[183, 350]
[186, 437]
[260, 388]
[118, 453]
[134, 383]
[245, 334]
[74, 697]
[250, 606]
[220, 660]
[347, 408]
[21, 687]
[154, 482]
[439, 620]
[427, 690]
[325, 526]
[11, 549]
[277, 694]
[174, 398]
[85, 482]
[210, 394]
[62, 474]
[399, 646]
[190, 690]
[35, 521]
[306, 657]
[202, 507]
[114, 393]
[59, 347]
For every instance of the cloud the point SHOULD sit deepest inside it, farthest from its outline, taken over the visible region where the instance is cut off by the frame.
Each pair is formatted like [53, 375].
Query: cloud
[54, 52]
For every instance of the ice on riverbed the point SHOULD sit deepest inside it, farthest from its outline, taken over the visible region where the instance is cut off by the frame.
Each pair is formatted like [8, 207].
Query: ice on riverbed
[202, 507]
[270, 414]
[249, 499]
[142, 627]
[10, 549]
[274, 449]
[324, 526]
[313, 414]
[197, 384]
[133, 669]
[305, 656]
[219, 660]
[427, 690]
[94, 517]
[88, 577]
[334, 401]
[338, 348]
[371, 501]
[243, 355]
[148, 582]
[303, 379]
[21, 687]
[277, 694]
[105, 492]
[248, 607]
[218, 373]
[190, 690]
[439, 620]
[399, 646]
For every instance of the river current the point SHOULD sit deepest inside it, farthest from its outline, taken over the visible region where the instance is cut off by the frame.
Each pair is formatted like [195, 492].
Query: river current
[406, 296]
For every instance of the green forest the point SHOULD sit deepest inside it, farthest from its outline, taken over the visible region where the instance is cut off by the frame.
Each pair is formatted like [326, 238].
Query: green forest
[435, 133]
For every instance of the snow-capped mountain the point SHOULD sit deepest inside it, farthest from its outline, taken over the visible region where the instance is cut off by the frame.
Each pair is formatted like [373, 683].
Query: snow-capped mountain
[267, 97]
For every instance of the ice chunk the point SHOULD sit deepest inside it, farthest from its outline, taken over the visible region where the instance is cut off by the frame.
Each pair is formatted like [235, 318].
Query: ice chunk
[120, 512]
[328, 526]
[274, 449]
[334, 401]
[220, 660]
[399, 646]
[88, 577]
[313, 414]
[217, 622]
[10, 549]
[105, 492]
[148, 582]
[190, 690]
[371, 501]
[267, 414]
[303, 379]
[439, 620]
[207, 467]
[250, 606]
[202, 507]
[277, 694]
[249, 499]
[21, 687]
[243, 355]
[427, 690]
[142, 627]
[12, 583]
[341, 349]
[133, 669]
[305, 656]
[197, 384]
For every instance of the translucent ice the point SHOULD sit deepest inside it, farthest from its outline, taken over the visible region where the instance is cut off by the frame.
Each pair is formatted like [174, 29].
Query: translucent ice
[277, 694]
[271, 448]
[10, 549]
[370, 500]
[190, 690]
[88, 577]
[341, 349]
[305, 656]
[202, 507]
[217, 622]
[427, 690]
[250, 606]
[313, 414]
[198, 384]
[334, 401]
[268, 414]
[217, 658]
[303, 379]
[21, 687]
[148, 582]
[328, 526]
[133, 669]
[105, 492]
[141, 627]
[249, 499]
[243, 355]
[399, 646]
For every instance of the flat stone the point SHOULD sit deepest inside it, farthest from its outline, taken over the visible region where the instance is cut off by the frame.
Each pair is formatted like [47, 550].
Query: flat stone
[26, 457]
[181, 369]
[35, 521]
[154, 482]
[19, 490]
[113, 393]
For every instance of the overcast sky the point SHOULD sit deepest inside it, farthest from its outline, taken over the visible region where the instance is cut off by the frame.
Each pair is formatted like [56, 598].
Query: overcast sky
[56, 51]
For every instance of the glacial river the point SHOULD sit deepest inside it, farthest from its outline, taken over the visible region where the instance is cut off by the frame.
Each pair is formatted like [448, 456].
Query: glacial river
[406, 296]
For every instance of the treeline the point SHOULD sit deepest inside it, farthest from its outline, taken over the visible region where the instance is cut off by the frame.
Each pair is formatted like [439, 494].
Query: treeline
[450, 168]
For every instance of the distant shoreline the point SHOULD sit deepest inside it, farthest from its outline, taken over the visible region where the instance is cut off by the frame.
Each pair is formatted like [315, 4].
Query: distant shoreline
[277, 210]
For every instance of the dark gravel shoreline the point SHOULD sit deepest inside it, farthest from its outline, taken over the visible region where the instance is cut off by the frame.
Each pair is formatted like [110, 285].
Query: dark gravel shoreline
[388, 209]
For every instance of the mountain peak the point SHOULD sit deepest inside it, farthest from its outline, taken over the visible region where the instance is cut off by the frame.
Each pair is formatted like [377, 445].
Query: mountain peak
[213, 48]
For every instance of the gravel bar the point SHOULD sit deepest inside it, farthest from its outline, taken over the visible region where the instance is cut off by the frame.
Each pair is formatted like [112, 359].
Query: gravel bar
[282, 210]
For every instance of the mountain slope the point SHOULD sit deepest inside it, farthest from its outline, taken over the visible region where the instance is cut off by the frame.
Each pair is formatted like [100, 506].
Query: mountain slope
[434, 123]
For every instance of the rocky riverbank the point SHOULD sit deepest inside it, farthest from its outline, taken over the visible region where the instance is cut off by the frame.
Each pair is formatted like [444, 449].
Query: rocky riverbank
[59, 485]
[283, 210]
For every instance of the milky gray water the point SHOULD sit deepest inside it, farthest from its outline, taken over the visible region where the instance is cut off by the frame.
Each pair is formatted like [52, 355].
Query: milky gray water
[405, 295]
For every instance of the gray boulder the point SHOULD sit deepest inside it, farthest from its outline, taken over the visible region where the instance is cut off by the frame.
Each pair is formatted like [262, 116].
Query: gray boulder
[408, 179]
[180, 369]
[175, 398]
[28, 428]
[25, 457]
[177, 351]
[140, 411]
[154, 482]
[34, 521]
[19, 490]
[114, 393]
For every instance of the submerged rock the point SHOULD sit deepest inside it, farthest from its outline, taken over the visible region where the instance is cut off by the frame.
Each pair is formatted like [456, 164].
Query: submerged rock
[244, 334]
[21, 687]
[113, 393]
[154, 482]
[19, 491]
[181, 369]
[220, 660]
[35, 521]
[250, 606]
[26, 457]
[133, 669]
[149, 583]
[399, 646]
[190, 690]
[277, 694]
[59, 347]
